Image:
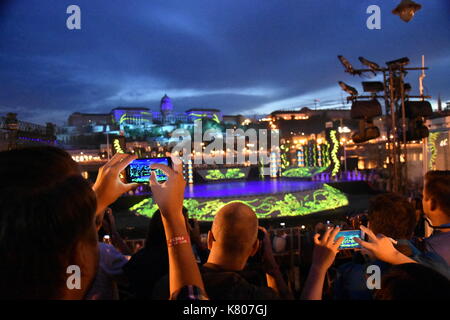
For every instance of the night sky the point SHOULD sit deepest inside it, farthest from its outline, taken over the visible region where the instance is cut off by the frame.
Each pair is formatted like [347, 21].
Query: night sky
[240, 56]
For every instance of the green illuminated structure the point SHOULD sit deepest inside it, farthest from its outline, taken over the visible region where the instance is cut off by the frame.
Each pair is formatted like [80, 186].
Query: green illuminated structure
[303, 172]
[200, 116]
[265, 206]
[125, 117]
[432, 148]
[233, 173]
[334, 151]
[325, 154]
[283, 156]
[117, 147]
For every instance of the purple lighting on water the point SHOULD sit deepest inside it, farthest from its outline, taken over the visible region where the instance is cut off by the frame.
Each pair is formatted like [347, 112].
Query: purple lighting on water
[248, 188]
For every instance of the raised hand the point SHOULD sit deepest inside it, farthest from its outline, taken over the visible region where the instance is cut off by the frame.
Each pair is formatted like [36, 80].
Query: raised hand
[108, 186]
[269, 262]
[382, 248]
[169, 195]
[325, 249]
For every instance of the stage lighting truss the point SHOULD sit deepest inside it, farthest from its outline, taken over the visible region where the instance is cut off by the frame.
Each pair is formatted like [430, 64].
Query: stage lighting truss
[366, 107]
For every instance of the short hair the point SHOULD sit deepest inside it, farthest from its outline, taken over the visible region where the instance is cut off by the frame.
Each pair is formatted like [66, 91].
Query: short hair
[235, 226]
[392, 215]
[46, 207]
[437, 186]
[413, 281]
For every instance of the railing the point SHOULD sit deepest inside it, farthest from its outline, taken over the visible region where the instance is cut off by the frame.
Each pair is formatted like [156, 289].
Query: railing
[286, 246]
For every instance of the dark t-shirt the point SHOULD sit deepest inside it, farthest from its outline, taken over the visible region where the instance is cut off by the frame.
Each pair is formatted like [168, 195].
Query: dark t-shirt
[223, 285]
[439, 243]
[230, 285]
[144, 270]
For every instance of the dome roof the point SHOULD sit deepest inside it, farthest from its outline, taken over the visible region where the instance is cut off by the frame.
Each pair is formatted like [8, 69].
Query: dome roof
[165, 98]
[166, 104]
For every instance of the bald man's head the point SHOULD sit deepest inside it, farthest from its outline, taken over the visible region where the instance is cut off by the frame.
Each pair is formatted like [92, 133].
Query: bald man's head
[235, 228]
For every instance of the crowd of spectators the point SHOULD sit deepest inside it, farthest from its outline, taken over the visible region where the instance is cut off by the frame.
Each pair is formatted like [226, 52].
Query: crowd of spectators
[53, 221]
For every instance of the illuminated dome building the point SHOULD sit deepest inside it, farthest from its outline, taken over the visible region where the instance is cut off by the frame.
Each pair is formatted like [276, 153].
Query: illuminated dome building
[166, 108]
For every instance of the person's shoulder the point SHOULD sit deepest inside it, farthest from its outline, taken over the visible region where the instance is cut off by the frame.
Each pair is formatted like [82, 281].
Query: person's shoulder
[223, 285]
[439, 237]
[111, 260]
[439, 242]
[220, 275]
[357, 263]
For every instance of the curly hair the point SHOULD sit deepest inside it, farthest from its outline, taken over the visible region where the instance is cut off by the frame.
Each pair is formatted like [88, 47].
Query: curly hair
[392, 215]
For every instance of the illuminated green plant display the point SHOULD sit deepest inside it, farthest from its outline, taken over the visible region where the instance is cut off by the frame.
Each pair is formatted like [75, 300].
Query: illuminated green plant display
[326, 154]
[303, 172]
[281, 205]
[314, 154]
[334, 151]
[117, 147]
[234, 173]
[283, 156]
[432, 148]
[215, 175]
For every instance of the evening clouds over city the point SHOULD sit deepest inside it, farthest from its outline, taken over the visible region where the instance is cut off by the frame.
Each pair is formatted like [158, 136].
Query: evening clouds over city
[243, 57]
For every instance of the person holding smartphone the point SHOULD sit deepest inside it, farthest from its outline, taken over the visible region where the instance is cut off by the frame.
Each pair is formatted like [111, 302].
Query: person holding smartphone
[389, 214]
[48, 217]
[185, 281]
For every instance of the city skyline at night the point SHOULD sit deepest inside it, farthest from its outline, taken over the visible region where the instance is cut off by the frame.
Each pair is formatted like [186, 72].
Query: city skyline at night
[241, 58]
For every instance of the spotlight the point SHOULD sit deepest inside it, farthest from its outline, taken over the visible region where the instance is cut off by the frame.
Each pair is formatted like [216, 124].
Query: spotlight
[407, 87]
[367, 131]
[373, 86]
[365, 111]
[350, 90]
[348, 67]
[372, 65]
[398, 63]
[416, 130]
[406, 10]
[415, 111]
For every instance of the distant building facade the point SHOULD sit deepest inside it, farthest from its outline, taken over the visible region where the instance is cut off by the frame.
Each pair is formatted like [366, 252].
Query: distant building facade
[201, 113]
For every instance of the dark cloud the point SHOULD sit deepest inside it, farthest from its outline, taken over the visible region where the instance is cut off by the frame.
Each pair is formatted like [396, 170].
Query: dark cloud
[233, 55]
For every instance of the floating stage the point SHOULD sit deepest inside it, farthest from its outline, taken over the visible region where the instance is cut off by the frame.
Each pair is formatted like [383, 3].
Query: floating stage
[270, 198]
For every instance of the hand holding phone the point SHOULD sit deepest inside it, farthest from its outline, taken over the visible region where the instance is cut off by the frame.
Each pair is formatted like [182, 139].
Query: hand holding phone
[109, 186]
[349, 239]
[169, 195]
[139, 170]
[325, 249]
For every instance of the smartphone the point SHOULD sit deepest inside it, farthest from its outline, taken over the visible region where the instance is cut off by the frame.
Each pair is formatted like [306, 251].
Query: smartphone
[349, 241]
[139, 170]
